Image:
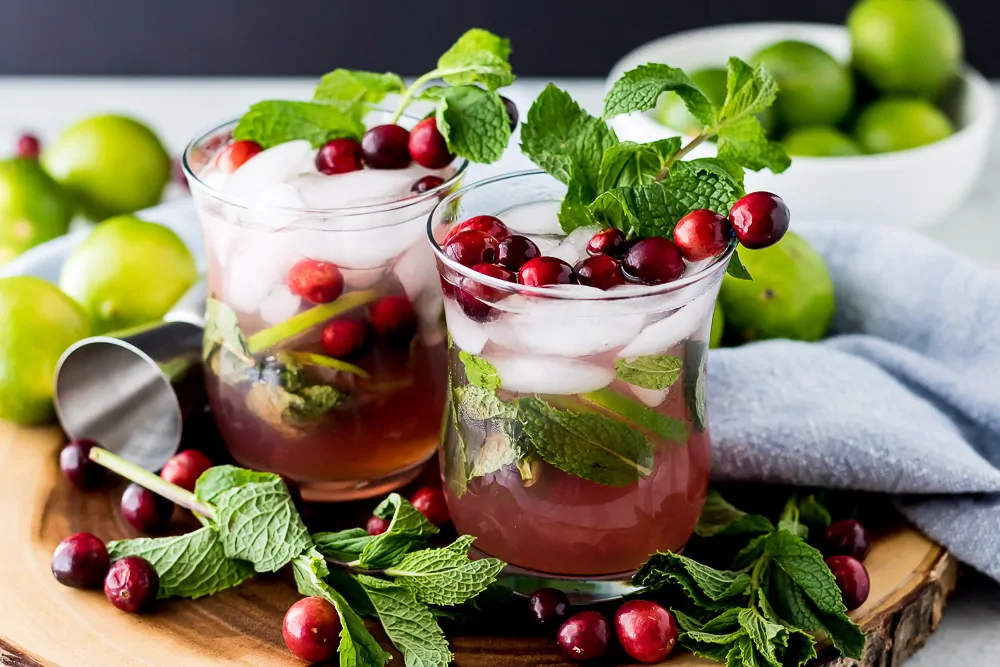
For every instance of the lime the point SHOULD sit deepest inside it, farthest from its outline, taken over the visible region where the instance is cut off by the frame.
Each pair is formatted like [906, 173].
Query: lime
[819, 141]
[37, 323]
[790, 296]
[813, 88]
[128, 272]
[718, 326]
[33, 207]
[898, 123]
[905, 46]
[111, 164]
[671, 112]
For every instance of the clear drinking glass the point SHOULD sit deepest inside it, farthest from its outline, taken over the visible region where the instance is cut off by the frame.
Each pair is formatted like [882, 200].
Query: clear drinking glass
[340, 429]
[567, 470]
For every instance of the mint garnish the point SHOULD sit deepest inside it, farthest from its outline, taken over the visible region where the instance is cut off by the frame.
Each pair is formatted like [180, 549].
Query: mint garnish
[445, 576]
[410, 624]
[480, 372]
[650, 372]
[639, 414]
[344, 86]
[274, 122]
[477, 57]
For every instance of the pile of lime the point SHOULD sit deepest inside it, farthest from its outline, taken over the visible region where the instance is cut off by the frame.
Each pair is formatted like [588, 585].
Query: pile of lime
[905, 55]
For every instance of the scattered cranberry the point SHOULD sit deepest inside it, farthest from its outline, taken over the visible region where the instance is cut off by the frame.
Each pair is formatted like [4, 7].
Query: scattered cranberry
[80, 561]
[311, 629]
[386, 147]
[474, 297]
[28, 147]
[75, 462]
[472, 247]
[486, 224]
[236, 154]
[344, 339]
[393, 317]
[852, 579]
[600, 271]
[430, 501]
[339, 156]
[848, 538]
[646, 631]
[543, 271]
[702, 234]
[316, 281]
[759, 219]
[132, 584]
[610, 241]
[549, 607]
[584, 636]
[377, 525]
[515, 251]
[653, 261]
[428, 146]
[426, 184]
[144, 510]
[511, 110]
[184, 468]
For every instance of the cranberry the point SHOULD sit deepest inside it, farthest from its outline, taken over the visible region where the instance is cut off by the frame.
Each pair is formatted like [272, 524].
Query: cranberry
[316, 281]
[515, 251]
[236, 154]
[428, 146]
[600, 271]
[847, 537]
[474, 297]
[646, 631]
[386, 147]
[132, 584]
[430, 502]
[377, 525]
[653, 261]
[852, 579]
[344, 339]
[426, 184]
[549, 607]
[28, 147]
[511, 110]
[759, 219]
[75, 462]
[184, 468]
[584, 636]
[472, 247]
[144, 510]
[543, 271]
[393, 317]
[610, 241]
[80, 561]
[339, 156]
[311, 629]
[486, 224]
[702, 234]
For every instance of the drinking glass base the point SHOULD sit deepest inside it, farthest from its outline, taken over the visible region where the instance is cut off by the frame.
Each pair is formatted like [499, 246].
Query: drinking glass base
[333, 492]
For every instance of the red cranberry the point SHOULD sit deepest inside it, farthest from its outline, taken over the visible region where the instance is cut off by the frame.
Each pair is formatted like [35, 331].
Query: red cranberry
[702, 234]
[515, 251]
[653, 261]
[584, 636]
[426, 184]
[430, 502]
[80, 561]
[549, 607]
[471, 247]
[28, 147]
[339, 156]
[610, 241]
[236, 154]
[852, 579]
[511, 110]
[344, 339]
[486, 224]
[475, 298]
[759, 219]
[646, 631]
[311, 629]
[377, 525]
[393, 317]
[848, 538]
[386, 147]
[184, 468]
[131, 584]
[600, 271]
[543, 271]
[144, 510]
[75, 462]
[316, 281]
[428, 146]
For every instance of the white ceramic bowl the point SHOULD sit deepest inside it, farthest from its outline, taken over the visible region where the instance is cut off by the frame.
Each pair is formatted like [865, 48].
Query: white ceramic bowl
[912, 188]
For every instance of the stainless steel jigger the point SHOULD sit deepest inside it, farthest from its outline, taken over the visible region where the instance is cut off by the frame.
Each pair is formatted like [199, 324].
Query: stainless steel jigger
[131, 390]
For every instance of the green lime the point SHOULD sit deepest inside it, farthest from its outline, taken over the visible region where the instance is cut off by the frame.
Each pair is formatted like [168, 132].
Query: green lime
[111, 164]
[898, 123]
[819, 141]
[790, 296]
[905, 46]
[671, 112]
[37, 323]
[128, 272]
[33, 207]
[718, 326]
[813, 88]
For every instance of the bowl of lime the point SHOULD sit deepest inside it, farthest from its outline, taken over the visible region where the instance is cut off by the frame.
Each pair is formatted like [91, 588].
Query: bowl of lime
[884, 123]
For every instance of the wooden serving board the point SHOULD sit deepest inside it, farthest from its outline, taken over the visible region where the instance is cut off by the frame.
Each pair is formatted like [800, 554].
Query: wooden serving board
[43, 623]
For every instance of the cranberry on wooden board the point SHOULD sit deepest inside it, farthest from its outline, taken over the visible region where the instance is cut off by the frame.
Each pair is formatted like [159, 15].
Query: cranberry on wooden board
[646, 631]
[428, 146]
[471, 247]
[487, 224]
[852, 579]
[848, 538]
[393, 317]
[311, 629]
[702, 234]
[344, 338]
[426, 184]
[759, 219]
[516, 251]
[131, 584]
[81, 561]
[377, 525]
[653, 261]
[430, 502]
[144, 510]
[28, 147]
[315, 280]
[386, 147]
[74, 460]
[235, 155]
[546, 270]
[584, 636]
[610, 242]
[548, 607]
[600, 271]
[339, 156]
[184, 468]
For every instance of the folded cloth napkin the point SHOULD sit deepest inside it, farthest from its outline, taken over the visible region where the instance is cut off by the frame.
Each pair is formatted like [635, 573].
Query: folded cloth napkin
[902, 398]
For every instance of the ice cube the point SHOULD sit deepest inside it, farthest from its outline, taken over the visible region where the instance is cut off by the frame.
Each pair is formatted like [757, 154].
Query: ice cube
[258, 263]
[650, 397]
[549, 375]
[468, 335]
[362, 278]
[574, 247]
[546, 244]
[429, 307]
[356, 248]
[531, 219]
[683, 323]
[260, 207]
[279, 305]
[365, 187]
[416, 270]
[278, 164]
[219, 234]
[214, 179]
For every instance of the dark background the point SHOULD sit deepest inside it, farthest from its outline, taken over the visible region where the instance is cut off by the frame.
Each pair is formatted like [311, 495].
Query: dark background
[309, 37]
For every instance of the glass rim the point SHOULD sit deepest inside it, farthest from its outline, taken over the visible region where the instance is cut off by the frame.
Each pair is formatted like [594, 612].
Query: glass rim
[195, 181]
[637, 292]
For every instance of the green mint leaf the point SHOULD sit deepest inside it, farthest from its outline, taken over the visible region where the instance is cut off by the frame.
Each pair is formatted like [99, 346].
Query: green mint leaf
[794, 527]
[726, 169]
[651, 372]
[342, 581]
[696, 362]
[481, 404]
[456, 459]
[344, 545]
[408, 530]
[409, 623]
[799, 648]
[811, 510]
[311, 403]
[705, 586]
[292, 411]
[590, 446]
[638, 90]
[274, 122]
[189, 566]
[222, 328]
[496, 453]
[763, 633]
[478, 56]
[795, 607]
[217, 480]
[744, 142]
[480, 372]
[719, 517]
[575, 214]
[639, 414]
[805, 565]
[445, 576]
[749, 554]
[346, 86]
[473, 121]
[736, 269]
[749, 90]
[711, 646]
[629, 163]
[258, 522]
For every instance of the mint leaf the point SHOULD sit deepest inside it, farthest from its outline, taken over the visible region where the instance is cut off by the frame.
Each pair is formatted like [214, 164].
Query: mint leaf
[480, 372]
[274, 122]
[473, 121]
[217, 480]
[719, 517]
[456, 473]
[811, 510]
[573, 214]
[705, 586]
[346, 86]
[410, 625]
[311, 403]
[749, 90]
[744, 141]
[763, 633]
[639, 414]
[481, 404]
[793, 605]
[736, 269]
[650, 372]
[445, 576]
[805, 565]
[629, 163]
[696, 361]
[640, 88]
[189, 566]
[222, 328]
[495, 453]
[407, 530]
[478, 56]
[344, 545]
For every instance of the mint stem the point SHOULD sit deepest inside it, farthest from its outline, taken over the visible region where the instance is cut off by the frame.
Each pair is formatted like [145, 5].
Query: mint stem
[411, 91]
[694, 143]
[293, 326]
[154, 483]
